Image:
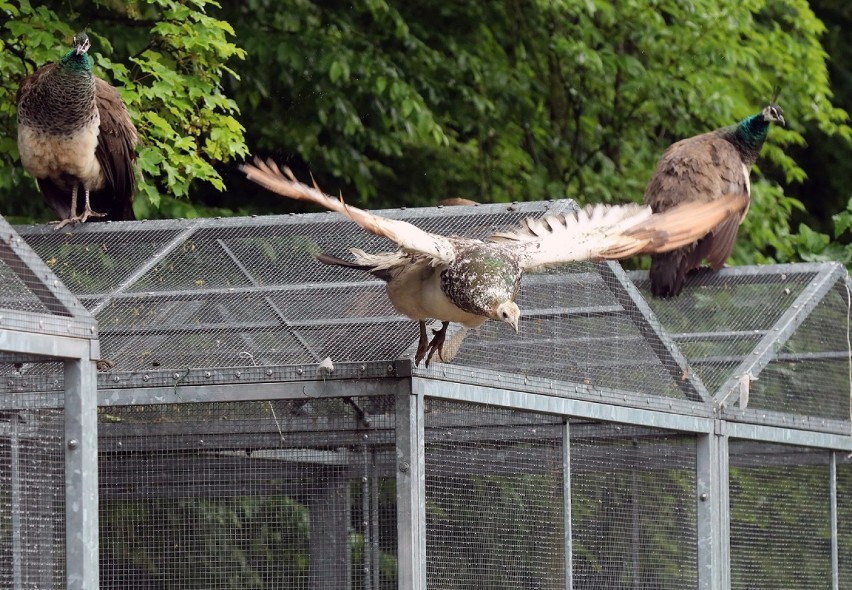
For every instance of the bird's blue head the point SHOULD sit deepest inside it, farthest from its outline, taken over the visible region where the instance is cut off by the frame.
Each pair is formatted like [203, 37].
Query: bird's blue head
[78, 57]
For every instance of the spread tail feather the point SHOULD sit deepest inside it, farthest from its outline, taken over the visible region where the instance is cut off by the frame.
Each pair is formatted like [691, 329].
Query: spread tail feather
[335, 261]
[379, 273]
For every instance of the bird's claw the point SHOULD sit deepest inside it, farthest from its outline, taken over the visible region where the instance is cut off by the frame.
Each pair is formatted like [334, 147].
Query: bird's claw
[437, 343]
[431, 347]
[75, 219]
[422, 345]
[89, 213]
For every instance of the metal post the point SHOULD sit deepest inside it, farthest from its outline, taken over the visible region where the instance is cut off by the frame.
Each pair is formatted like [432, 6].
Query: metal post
[366, 517]
[410, 491]
[723, 466]
[566, 500]
[713, 524]
[16, 504]
[835, 553]
[635, 537]
[81, 475]
[375, 551]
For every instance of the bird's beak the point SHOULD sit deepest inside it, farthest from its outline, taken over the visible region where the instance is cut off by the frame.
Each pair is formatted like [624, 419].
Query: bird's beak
[515, 325]
[782, 121]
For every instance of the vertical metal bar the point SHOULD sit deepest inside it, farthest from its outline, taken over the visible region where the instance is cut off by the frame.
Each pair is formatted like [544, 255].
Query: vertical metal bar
[635, 537]
[835, 549]
[711, 505]
[367, 545]
[724, 511]
[374, 520]
[410, 491]
[566, 503]
[16, 504]
[81, 475]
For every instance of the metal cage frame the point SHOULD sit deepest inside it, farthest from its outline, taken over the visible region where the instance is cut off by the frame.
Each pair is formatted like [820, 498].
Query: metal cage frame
[68, 330]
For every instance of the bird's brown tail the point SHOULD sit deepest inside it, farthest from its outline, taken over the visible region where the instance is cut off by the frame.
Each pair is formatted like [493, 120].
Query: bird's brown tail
[335, 261]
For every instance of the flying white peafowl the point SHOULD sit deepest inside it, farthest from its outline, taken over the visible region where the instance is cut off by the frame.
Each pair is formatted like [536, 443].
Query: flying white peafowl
[465, 280]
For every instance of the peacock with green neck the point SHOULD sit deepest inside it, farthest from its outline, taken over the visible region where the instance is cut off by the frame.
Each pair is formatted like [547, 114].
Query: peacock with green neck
[749, 134]
[703, 168]
[74, 133]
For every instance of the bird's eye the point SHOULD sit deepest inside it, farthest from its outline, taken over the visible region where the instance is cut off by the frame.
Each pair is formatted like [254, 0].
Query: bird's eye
[505, 315]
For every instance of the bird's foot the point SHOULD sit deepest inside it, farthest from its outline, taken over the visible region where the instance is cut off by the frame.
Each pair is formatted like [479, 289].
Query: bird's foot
[75, 219]
[437, 343]
[700, 270]
[89, 213]
[422, 344]
[426, 348]
[72, 220]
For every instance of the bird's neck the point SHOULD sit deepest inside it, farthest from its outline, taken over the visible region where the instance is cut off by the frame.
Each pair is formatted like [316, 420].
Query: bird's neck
[748, 135]
[76, 63]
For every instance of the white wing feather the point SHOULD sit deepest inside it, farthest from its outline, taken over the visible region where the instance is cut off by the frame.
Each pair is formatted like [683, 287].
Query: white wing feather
[616, 231]
[409, 237]
[595, 232]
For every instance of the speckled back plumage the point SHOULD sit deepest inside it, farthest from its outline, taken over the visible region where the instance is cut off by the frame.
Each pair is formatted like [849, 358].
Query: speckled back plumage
[481, 276]
[704, 168]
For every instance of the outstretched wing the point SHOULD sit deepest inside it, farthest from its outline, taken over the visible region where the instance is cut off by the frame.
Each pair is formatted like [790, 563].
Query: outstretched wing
[409, 237]
[614, 231]
[684, 223]
[580, 235]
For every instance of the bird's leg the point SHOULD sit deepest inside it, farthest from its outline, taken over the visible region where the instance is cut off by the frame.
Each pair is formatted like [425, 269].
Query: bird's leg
[422, 344]
[87, 212]
[437, 343]
[72, 216]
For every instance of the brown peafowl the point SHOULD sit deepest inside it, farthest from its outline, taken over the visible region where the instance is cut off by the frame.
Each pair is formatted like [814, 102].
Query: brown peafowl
[703, 168]
[73, 132]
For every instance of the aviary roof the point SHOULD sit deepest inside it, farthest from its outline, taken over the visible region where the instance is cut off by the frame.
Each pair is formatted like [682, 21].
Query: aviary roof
[209, 294]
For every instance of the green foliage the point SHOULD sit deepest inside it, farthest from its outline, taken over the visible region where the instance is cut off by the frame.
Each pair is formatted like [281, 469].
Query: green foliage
[814, 246]
[399, 103]
[167, 59]
[530, 99]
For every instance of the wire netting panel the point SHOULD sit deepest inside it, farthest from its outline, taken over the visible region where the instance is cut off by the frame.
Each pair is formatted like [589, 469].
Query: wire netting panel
[93, 264]
[574, 328]
[494, 498]
[844, 517]
[632, 507]
[295, 494]
[780, 517]
[14, 293]
[719, 319]
[32, 493]
[234, 292]
[810, 374]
